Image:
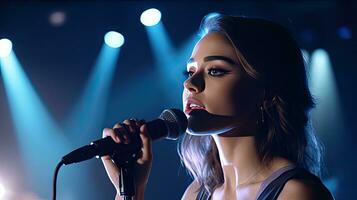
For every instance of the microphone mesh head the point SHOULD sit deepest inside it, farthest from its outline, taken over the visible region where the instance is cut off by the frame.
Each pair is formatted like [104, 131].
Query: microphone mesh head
[175, 121]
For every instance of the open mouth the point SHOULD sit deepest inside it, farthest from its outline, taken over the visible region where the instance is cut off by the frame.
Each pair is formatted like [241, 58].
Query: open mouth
[193, 104]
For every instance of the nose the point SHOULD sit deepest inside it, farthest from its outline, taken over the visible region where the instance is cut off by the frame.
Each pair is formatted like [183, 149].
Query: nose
[195, 83]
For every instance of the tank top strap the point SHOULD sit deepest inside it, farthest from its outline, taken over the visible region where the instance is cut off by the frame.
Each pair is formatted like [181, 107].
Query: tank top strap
[272, 189]
[272, 177]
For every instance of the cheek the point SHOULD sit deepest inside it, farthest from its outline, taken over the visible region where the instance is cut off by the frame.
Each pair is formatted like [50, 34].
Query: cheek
[246, 99]
[221, 99]
[231, 99]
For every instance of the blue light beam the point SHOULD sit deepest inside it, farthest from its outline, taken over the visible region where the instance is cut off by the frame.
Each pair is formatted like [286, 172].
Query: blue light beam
[86, 119]
[88, 114]
[170, 62]
[40, 140]
[160, 44]
[327, 117]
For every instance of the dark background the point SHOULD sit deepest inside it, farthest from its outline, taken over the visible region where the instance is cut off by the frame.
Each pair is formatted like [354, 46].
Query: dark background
[58, 61]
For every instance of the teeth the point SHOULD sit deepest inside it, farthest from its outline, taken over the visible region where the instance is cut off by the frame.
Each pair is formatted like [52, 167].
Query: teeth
[192, 105]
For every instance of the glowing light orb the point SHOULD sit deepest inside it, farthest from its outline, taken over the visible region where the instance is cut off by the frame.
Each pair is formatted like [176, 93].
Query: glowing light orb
[5, 47]
[114, 39]
[150, 17]
[2, 191]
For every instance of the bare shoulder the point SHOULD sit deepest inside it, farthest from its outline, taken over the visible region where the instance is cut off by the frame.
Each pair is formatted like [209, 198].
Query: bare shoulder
[296, 189]
[191, 191]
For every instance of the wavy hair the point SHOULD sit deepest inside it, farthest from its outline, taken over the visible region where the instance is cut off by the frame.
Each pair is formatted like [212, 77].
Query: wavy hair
[270, 55]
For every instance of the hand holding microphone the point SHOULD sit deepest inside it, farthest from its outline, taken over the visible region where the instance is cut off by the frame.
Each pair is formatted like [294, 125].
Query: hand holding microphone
[120, 134]
[171, 124]
[126, 150]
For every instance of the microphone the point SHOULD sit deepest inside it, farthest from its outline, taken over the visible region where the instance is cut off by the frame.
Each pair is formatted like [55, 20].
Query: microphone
[170, 125]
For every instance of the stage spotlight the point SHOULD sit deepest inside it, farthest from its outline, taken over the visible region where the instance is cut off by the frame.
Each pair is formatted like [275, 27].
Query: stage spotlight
[57, 18]
[5, 47]
[321, 62]
[2, 191]
[114, 39]
[150, 17]
[327, 116]
[344, 32]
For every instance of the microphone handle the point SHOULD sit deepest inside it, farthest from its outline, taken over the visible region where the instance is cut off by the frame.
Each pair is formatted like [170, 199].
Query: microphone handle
[101, 147]
[157, 129]
[126, 180]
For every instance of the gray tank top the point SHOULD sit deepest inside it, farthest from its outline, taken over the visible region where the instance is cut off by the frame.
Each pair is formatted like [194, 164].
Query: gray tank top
[272, 177]
[272, 186]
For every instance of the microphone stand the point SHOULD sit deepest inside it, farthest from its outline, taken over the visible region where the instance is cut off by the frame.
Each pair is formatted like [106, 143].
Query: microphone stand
[126, 162]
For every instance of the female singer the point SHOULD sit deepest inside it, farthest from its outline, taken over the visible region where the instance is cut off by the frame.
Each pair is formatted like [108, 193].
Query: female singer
[247, 102]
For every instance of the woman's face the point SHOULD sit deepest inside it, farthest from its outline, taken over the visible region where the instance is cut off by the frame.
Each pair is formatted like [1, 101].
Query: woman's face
[217, 82]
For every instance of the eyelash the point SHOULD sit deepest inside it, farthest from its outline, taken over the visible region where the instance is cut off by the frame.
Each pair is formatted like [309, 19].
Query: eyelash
[221, 71]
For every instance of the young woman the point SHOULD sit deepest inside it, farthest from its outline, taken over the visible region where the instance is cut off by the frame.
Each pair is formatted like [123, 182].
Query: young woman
[247, 103]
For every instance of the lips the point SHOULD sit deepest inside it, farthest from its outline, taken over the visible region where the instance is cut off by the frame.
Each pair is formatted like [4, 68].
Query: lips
[193, 104]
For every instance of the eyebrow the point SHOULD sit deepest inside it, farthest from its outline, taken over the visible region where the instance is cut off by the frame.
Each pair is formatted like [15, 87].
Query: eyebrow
[212, 58]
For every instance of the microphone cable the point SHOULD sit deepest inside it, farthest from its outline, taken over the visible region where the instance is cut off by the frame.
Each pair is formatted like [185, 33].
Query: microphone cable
[59, 165]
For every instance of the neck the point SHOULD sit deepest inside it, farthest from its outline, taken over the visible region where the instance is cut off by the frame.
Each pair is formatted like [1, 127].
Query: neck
[241, 163]
[239, 159]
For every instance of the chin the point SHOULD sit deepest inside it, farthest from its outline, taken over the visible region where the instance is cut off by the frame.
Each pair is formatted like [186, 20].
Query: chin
[201, 122]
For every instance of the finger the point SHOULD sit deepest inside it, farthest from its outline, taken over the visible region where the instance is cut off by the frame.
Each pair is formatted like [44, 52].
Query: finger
[122, 134]
[144, 130]
[134, 129]
[110, 132]
[118, 125]
[146, 142]
[122, 131]
[132, 125]
[128, 125]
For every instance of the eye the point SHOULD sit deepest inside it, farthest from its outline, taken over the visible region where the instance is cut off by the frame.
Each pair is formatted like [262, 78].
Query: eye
[187, 73]
[217, 72]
